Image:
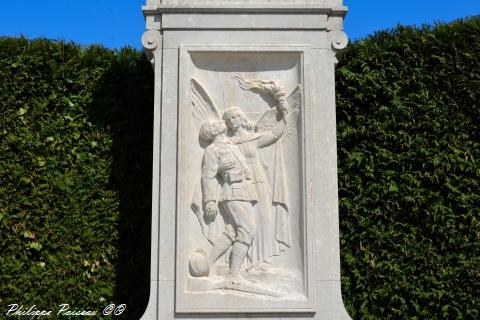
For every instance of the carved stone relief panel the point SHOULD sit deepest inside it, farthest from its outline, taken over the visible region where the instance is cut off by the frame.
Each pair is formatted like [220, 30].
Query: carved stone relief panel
[244, 210]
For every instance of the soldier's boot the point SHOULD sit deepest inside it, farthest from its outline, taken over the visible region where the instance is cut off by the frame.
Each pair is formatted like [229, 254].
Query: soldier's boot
[220, 246]
[239, 252]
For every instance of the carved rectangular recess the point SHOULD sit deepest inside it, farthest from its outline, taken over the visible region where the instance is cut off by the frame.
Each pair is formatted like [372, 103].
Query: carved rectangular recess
[254, 180]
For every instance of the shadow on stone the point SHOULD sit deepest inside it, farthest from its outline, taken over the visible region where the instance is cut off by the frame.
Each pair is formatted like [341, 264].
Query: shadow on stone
[123, 105]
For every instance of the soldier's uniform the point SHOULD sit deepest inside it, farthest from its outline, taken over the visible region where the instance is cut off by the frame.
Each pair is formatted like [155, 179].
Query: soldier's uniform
[225, 161]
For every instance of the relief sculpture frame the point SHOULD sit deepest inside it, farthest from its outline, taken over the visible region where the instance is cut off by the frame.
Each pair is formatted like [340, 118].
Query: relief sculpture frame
[276, 80]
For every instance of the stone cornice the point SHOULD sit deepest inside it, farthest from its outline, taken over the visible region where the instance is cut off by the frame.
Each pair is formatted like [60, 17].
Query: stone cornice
[243, 8]
[325, 15]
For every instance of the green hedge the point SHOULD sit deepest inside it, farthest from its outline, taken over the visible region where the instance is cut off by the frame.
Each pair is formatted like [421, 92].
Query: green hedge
[75, 174]
[408, 118]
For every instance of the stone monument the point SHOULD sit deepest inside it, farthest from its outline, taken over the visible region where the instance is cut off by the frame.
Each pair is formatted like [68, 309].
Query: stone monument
[245, 209]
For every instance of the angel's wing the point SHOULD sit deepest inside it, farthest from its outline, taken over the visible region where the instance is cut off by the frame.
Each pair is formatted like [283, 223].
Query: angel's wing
[294, 100]
[203, 108]
[294, 103]
[267, 121]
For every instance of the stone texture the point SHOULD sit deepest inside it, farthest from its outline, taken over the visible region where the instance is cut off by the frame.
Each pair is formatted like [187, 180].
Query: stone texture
[245, 209]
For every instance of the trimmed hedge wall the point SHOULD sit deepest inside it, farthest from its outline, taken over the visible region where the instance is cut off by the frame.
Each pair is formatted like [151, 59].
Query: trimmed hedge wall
[75, 174]
[408, 118]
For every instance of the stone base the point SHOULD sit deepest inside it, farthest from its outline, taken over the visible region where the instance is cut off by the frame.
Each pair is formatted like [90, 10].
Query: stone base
[261, 283]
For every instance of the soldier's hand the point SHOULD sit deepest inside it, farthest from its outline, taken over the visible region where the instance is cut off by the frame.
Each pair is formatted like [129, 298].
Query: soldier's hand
[211, 209]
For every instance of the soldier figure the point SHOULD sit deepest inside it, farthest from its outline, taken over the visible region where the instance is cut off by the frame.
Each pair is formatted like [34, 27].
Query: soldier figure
[223, 161]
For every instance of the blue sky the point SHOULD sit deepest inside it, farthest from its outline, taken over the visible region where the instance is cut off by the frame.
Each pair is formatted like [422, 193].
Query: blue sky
[118, 23]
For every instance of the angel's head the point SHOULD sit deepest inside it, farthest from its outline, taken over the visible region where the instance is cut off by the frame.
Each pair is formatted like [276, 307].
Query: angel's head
[235, 118]
[210, 129]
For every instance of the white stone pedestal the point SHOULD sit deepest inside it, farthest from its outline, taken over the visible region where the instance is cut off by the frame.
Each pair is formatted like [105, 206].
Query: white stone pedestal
[245, 208]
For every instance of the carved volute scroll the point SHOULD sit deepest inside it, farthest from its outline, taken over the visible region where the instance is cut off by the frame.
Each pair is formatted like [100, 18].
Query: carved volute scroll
[339, 40]
[151, 41]
[337, 37]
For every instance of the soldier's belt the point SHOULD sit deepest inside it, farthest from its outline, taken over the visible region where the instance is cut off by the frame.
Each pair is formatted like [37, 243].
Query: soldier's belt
[233, 177]
[237, 176]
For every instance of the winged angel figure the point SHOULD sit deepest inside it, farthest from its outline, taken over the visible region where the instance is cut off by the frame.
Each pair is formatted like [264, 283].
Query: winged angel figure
[252, 198]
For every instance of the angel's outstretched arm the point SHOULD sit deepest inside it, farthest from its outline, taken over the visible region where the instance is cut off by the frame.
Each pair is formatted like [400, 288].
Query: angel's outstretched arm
[283, 107]
[269, 137]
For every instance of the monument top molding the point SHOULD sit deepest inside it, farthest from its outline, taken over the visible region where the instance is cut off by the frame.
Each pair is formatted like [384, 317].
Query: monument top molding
[334, 7]
[246, 15]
